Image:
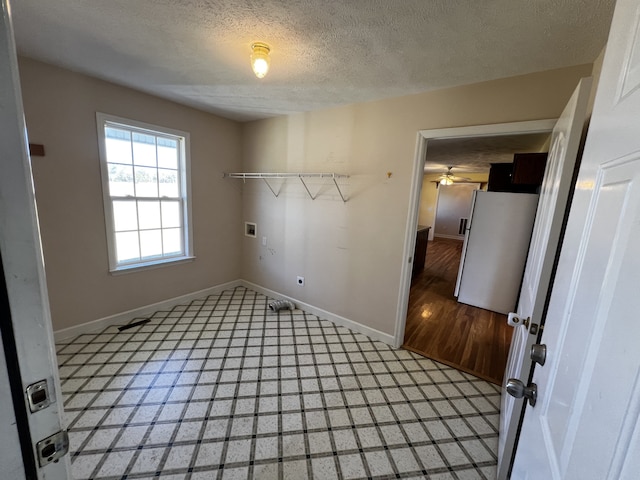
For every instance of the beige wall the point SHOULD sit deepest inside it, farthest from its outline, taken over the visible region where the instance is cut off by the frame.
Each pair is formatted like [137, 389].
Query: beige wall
[429, 197]
[60, 108]
[351, 254]
[454, 204]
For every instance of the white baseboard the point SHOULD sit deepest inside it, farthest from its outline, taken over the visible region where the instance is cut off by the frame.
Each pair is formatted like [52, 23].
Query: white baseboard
[352, 325]
[125, 317]
[452, 237]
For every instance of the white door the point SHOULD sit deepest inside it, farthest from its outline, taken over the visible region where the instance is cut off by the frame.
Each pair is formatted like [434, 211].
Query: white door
[27, 335]
[10, 453]
[586, 422]
[556, 185]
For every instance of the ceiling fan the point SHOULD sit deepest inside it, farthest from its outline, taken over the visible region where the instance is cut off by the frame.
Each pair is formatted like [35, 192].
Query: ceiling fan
[449, 178]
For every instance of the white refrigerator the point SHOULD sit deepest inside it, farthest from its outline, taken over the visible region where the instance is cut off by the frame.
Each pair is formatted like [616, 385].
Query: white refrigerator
[495, 249]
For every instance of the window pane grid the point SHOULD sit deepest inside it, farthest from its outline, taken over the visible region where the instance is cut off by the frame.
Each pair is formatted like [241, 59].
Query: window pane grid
[163, 177]
[164, 231]
[147, 176]
[121, 164]
[133, 199]
[145, 230]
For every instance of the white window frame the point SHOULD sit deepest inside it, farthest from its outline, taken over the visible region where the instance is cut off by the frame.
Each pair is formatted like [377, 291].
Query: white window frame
[103, 120]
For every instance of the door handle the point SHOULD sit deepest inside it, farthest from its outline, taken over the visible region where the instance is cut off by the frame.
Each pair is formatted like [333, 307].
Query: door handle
[516, 389]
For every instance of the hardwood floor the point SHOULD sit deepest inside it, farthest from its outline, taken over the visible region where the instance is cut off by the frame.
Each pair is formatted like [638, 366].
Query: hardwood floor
[470, 339]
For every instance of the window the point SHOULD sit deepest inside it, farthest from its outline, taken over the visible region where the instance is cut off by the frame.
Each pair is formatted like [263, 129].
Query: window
[145, 185]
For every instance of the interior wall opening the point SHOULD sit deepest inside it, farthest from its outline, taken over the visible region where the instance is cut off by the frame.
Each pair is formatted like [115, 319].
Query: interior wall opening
[468, 337]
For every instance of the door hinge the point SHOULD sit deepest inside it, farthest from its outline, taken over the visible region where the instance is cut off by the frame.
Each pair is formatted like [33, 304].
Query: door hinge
[52, 448]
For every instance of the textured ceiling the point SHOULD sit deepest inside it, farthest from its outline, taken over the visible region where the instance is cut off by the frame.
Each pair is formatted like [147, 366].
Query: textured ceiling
[324, 53]
[476, 154]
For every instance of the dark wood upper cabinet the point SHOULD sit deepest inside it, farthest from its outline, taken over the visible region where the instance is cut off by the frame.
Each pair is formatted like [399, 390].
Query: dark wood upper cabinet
[528, 168]
[524, 175]
[500, 177]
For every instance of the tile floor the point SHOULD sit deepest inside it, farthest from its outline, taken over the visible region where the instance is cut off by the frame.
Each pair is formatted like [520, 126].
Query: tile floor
[222, 388]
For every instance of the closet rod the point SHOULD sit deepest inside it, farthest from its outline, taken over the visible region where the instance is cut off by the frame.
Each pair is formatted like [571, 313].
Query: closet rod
[284, 175]
[264, 176]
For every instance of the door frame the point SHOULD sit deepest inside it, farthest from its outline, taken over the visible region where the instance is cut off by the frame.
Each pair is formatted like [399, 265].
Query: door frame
[28, 343]
[15, 441]
[422, 139]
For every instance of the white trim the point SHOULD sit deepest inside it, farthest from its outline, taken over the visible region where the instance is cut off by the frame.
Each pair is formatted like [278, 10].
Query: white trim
[25, 285]
[352, 325]
[184, 169]
[490, 130]
[411, 228]
[151, 265]
[126, 317]
[422, 138]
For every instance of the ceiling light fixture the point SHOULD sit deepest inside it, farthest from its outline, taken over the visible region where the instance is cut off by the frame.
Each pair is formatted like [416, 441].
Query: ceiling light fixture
[449, 178]
[446, 181]
[260, 59]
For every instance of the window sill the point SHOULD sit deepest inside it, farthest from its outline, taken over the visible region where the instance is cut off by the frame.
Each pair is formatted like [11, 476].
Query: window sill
[150, 265]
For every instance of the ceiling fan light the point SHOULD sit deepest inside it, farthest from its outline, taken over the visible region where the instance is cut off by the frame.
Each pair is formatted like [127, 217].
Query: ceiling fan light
[446, 181]
[260, 59]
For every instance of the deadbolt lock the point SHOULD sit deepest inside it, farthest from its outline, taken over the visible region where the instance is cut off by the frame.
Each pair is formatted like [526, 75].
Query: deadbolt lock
[38, 396]
[539, 353]
[52, 448]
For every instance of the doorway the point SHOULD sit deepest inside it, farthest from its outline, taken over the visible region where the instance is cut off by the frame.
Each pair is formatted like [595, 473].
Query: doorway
[441, 328]
[471, 339]
[452, 208]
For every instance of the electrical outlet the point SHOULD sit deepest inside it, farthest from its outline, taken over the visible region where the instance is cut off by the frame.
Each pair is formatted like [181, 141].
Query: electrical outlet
[301, 281]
